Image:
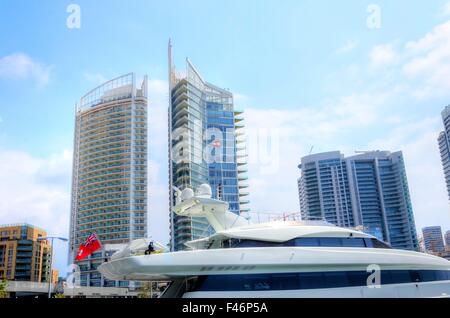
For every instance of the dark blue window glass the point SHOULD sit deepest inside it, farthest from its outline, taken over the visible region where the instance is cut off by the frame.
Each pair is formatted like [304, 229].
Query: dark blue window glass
[356, 278]
[353, 242]
[336, 279]
[314, 242]
[258, 282]
[285, 281]
[429, 276]
[307, 241]
[313, 280]
[330, 241]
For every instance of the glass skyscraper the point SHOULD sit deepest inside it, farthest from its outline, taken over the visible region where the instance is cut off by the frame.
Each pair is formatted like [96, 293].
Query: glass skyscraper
[368, 190]
[223, 171]
[109, 182]
[444, 146]
[204, 148]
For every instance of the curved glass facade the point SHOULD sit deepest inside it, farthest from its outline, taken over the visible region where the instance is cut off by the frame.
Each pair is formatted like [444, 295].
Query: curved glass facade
[203, 135]
[109, 190]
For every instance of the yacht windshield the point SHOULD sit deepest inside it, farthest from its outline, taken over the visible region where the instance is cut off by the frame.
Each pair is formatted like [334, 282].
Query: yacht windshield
[310, 241]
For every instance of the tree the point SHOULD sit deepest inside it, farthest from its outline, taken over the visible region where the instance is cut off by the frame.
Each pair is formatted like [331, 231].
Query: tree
[3, 287]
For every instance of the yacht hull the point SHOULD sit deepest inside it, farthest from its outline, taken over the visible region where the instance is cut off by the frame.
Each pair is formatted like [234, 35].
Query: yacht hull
[264, 260]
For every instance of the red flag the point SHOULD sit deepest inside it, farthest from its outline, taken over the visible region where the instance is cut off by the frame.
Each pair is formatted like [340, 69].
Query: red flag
[88, 247]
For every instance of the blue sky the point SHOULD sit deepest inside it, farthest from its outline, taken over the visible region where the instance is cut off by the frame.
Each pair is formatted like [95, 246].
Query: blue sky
[311, 72]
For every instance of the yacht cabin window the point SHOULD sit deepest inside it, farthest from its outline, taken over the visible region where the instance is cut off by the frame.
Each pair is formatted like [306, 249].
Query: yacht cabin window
[309, 241]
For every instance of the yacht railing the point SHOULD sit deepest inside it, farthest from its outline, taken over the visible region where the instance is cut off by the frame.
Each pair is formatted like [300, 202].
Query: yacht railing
[263, 217]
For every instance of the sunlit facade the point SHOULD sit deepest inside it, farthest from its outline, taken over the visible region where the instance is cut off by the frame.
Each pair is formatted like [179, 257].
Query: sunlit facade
[109, 186]
[24, 254]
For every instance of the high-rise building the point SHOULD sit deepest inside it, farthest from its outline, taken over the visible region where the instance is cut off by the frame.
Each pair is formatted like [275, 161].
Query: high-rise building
[444, 146]
[432, 237]
[205, 135]
[368, 190]
[324, 189]
[447, 239]
[23, 257]
[109, 183]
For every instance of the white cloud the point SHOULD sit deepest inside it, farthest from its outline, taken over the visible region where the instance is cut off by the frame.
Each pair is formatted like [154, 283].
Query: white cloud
[384, 115]
[429, 62]
[326, 127]
[418, 141]
[348, 46]
[420, 67]
[445, 10]
[37, 191]
[327, 130]
[158, 187]
[240, 100]
[382, 55]
[158, 103]
[20, 66]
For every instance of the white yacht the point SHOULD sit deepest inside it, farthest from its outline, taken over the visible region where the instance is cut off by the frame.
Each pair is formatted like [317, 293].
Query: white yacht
[279, 259]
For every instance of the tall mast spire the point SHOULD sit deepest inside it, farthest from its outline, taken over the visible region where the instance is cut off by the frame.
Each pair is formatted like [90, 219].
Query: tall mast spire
[169, 53]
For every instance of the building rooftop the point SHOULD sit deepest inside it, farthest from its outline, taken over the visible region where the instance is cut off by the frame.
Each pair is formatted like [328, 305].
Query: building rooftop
[20, 225]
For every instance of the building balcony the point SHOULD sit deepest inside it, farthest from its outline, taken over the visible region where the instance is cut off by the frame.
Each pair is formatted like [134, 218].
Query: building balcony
[239, 125]
[23, 260]
[180, 104]
[180, 97]
[179, 89]
[238, 119]
[241, 157]
[243, 185]
[180, 122]
[25, 248]
[242, 169]
[183, 112]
